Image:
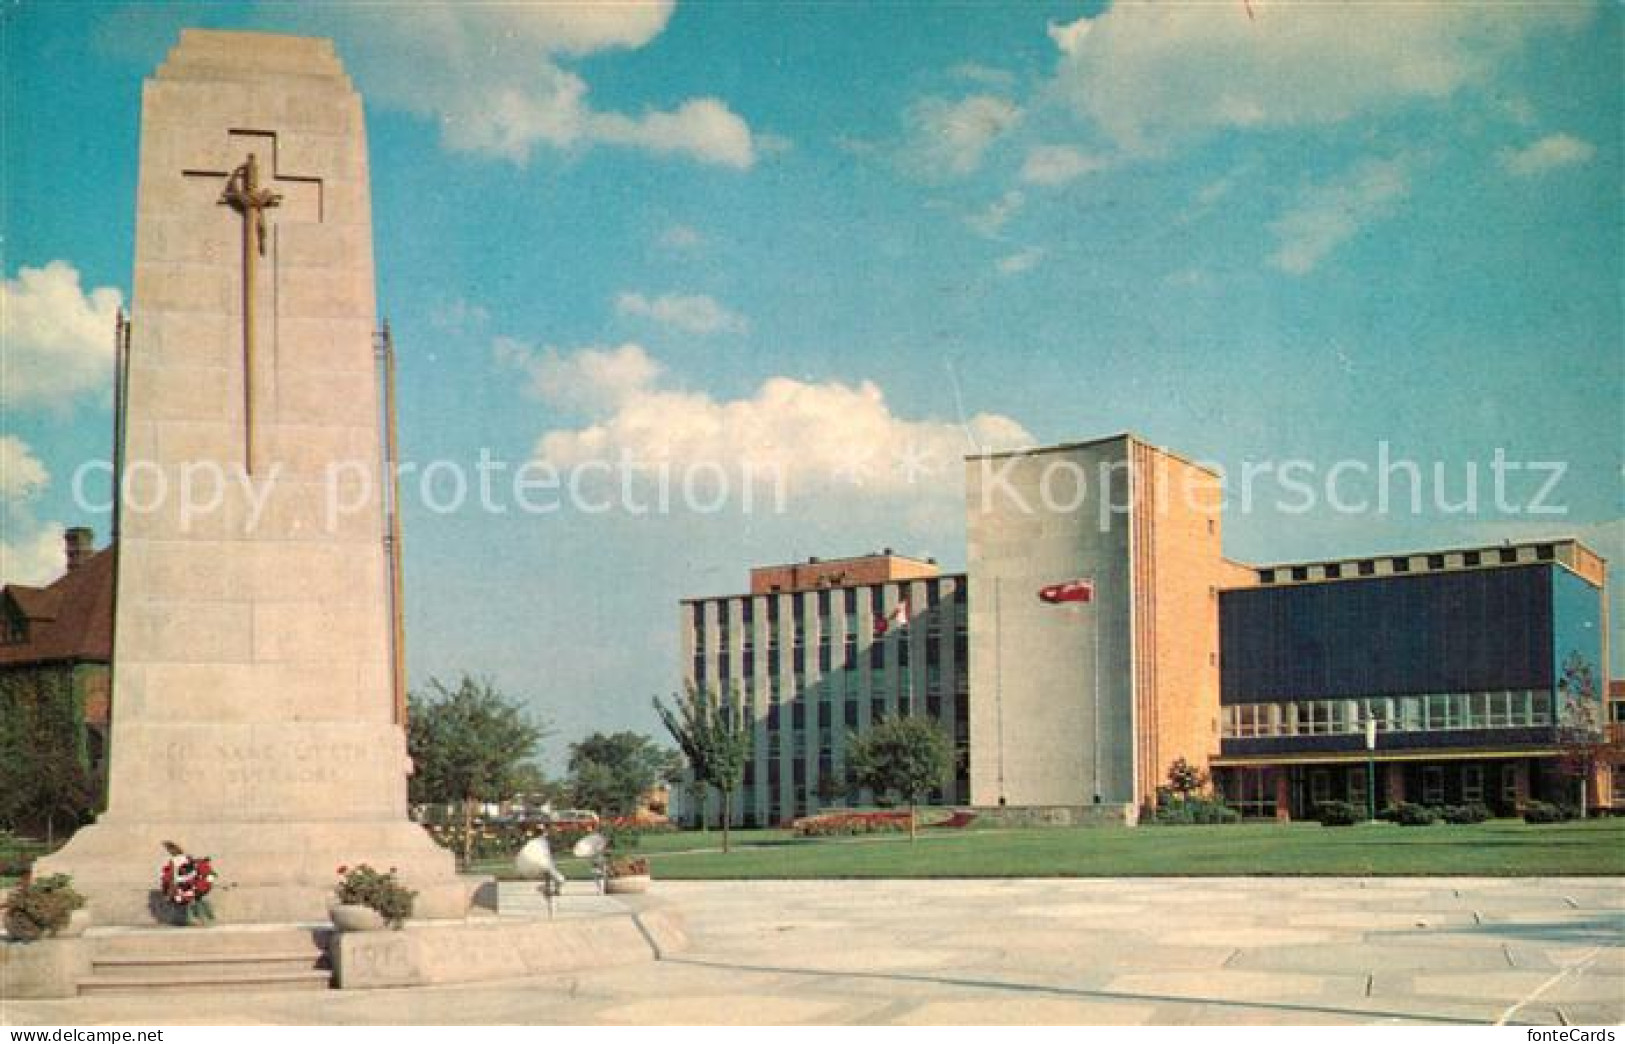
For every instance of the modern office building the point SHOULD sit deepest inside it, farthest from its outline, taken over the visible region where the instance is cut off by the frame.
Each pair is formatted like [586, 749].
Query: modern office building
[1099, 635]
[819, 651]
[1457, 658]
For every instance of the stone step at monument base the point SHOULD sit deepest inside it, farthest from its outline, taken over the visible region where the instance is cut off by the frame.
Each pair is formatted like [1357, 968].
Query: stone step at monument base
[186, 959]
[188, 980]
[525, 899]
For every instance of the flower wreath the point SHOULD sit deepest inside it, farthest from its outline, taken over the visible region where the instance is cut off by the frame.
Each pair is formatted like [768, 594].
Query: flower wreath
[187, 881]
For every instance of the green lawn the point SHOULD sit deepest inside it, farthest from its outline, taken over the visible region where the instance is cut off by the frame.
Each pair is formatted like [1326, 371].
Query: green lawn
[1499, 848]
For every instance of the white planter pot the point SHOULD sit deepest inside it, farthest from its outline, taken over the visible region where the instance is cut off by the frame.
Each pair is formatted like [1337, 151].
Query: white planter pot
[353, 917]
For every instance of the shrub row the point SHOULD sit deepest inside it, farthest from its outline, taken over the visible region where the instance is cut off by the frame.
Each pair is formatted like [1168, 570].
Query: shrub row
[1339, 813]
[843, 824]
[1409, 813]
[1176, 811]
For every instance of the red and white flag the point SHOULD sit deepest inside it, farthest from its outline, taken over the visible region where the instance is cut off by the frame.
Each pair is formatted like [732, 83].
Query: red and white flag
[898, 617]
[1070, 591]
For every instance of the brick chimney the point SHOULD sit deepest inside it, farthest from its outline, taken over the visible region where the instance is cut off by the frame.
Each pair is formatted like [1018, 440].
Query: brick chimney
[80, 544]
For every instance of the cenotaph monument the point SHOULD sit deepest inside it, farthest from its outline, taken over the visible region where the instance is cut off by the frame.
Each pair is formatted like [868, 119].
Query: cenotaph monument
[257, 717]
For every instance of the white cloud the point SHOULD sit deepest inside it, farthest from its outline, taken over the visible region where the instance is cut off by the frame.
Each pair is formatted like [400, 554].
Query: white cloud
[21, 473]
[1069, 36]
[493, 76]
[991, 222]
[58, 340]
[819, 437]
[594, 379]
[693, 313]
[29, 553]
[1327, 216]
[1058, 164]
[1022, 261]
[1150, 74]
[954, 136]
[703, 127]
[32, 560]
[1549, 153]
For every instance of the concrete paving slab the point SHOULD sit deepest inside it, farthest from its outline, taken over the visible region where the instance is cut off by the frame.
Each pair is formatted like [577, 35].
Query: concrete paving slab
[1255, 937]
[1237, 985]
[1034, 951]
[1027, 1011]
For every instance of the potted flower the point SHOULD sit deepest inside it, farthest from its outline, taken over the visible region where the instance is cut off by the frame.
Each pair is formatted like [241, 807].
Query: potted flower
[186, 882]
[627, 875]
[369, 900]
[46, 908]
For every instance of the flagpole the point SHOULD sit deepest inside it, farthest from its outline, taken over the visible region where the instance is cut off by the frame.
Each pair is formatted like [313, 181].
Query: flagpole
[1095, 605]
[998, 680]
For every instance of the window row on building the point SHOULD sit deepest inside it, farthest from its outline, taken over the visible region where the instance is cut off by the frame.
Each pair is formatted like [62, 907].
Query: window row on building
[1398, 564]
[1256, 792]
[1516, 708]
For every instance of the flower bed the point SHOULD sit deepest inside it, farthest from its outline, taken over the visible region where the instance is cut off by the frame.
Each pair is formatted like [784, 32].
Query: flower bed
[846, 824]
[495, 840]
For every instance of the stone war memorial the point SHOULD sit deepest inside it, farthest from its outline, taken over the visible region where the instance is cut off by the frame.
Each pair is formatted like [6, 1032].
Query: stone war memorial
[256, 715]
[259, 706]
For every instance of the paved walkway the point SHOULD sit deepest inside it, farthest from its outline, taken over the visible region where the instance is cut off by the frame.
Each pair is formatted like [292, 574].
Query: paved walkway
[1300, 950]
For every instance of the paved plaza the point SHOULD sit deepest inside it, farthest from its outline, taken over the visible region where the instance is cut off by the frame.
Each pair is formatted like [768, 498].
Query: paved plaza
[1123, 951]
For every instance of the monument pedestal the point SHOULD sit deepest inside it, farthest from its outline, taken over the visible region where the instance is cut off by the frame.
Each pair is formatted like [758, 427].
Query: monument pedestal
[278, 806]
[270, 873]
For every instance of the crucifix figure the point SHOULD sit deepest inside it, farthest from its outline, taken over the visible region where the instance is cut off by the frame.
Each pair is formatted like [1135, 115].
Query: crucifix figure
[244, 195]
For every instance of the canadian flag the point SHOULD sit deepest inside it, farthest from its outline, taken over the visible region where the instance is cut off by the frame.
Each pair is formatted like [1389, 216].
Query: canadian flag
[1071, 591]
[898, 617]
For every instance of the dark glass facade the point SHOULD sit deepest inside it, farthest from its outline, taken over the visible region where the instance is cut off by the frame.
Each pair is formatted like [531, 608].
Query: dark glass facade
[1453, 631]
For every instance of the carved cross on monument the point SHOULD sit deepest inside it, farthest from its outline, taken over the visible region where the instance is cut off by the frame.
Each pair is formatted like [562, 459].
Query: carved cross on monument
[244, 195]
[250, 198]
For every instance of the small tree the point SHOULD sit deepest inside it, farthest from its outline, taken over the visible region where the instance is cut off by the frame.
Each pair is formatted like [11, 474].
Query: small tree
[716, 741]
[1185, 779]
[831, 788]
[468, 745]
[1585, 749]
[612, 772]
[906, 756]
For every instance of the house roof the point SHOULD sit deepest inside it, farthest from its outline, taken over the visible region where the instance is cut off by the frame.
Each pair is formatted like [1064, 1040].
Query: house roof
[69, 620]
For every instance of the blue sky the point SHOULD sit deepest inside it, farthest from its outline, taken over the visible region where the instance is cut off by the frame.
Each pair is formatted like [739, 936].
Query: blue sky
[799, 234]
